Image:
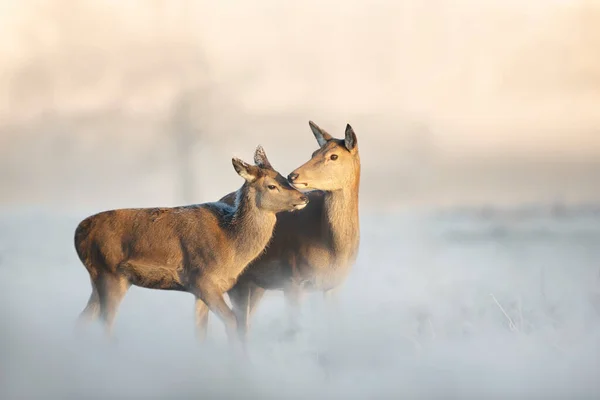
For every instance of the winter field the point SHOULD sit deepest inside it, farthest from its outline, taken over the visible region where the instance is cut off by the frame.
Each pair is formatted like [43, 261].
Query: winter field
[467, 304]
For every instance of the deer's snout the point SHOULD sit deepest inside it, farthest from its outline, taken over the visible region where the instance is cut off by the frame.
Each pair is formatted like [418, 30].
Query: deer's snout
[302, 202]
[292, 177]
[293, 180]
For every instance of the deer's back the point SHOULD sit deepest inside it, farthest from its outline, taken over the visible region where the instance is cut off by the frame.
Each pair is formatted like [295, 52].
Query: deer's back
[169, 237]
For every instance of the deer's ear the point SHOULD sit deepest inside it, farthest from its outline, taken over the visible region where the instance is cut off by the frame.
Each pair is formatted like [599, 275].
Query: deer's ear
[350, 139]
[260, 158]
[245, 170]
[321, 135]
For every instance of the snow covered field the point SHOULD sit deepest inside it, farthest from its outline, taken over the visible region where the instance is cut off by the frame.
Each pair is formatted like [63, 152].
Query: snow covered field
[460, 305]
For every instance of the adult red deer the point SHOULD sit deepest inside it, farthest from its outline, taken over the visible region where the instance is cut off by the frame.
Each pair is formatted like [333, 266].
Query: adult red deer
[200, 249]
[313, 249]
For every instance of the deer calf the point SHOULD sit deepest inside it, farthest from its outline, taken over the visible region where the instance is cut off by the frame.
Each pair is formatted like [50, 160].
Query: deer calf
[200, 249]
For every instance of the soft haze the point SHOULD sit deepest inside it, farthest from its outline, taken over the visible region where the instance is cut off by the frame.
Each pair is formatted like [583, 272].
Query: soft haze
[478, 124]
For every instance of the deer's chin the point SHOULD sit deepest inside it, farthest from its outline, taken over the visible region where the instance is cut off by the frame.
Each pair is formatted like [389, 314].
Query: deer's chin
[298, 207]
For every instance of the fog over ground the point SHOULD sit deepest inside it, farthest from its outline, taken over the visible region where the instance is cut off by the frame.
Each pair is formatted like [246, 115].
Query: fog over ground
[452, 306]
[479, 132]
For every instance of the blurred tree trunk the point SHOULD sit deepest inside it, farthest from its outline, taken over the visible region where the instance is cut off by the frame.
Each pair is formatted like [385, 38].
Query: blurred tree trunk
[185, 137]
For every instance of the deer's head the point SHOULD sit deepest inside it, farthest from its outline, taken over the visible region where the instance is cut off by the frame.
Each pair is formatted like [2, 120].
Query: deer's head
[270, 191]
[334, 166]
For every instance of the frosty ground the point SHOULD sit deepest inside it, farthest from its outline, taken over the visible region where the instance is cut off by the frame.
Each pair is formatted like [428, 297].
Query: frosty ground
[462, 304]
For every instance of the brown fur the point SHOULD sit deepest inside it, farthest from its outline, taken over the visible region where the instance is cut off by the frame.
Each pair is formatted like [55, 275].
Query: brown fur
[200, 249]
[315, 248]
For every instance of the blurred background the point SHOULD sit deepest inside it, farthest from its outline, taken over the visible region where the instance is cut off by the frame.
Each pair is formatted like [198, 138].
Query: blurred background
[143, 102]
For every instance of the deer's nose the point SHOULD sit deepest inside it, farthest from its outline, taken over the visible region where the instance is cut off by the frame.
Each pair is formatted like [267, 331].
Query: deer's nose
[304, 199]
[292, 177]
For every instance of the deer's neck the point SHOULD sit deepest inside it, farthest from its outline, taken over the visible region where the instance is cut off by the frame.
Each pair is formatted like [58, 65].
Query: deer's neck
[341, 223]
[251, 228]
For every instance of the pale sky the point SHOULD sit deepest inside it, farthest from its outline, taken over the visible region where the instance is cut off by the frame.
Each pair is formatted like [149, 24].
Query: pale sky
[492, 78]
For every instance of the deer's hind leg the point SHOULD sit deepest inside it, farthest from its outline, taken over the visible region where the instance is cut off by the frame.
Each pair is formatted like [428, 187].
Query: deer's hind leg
[332, 310]
[92, 310]
[111, 291]
[331, 299]
[201, 320]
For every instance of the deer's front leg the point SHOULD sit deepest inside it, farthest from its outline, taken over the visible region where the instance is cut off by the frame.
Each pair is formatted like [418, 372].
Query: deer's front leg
[244, 297]
[213, 298]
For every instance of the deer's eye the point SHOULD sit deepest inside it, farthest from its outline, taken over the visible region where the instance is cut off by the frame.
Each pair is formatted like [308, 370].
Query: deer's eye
[334, 157]
[271, 187]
